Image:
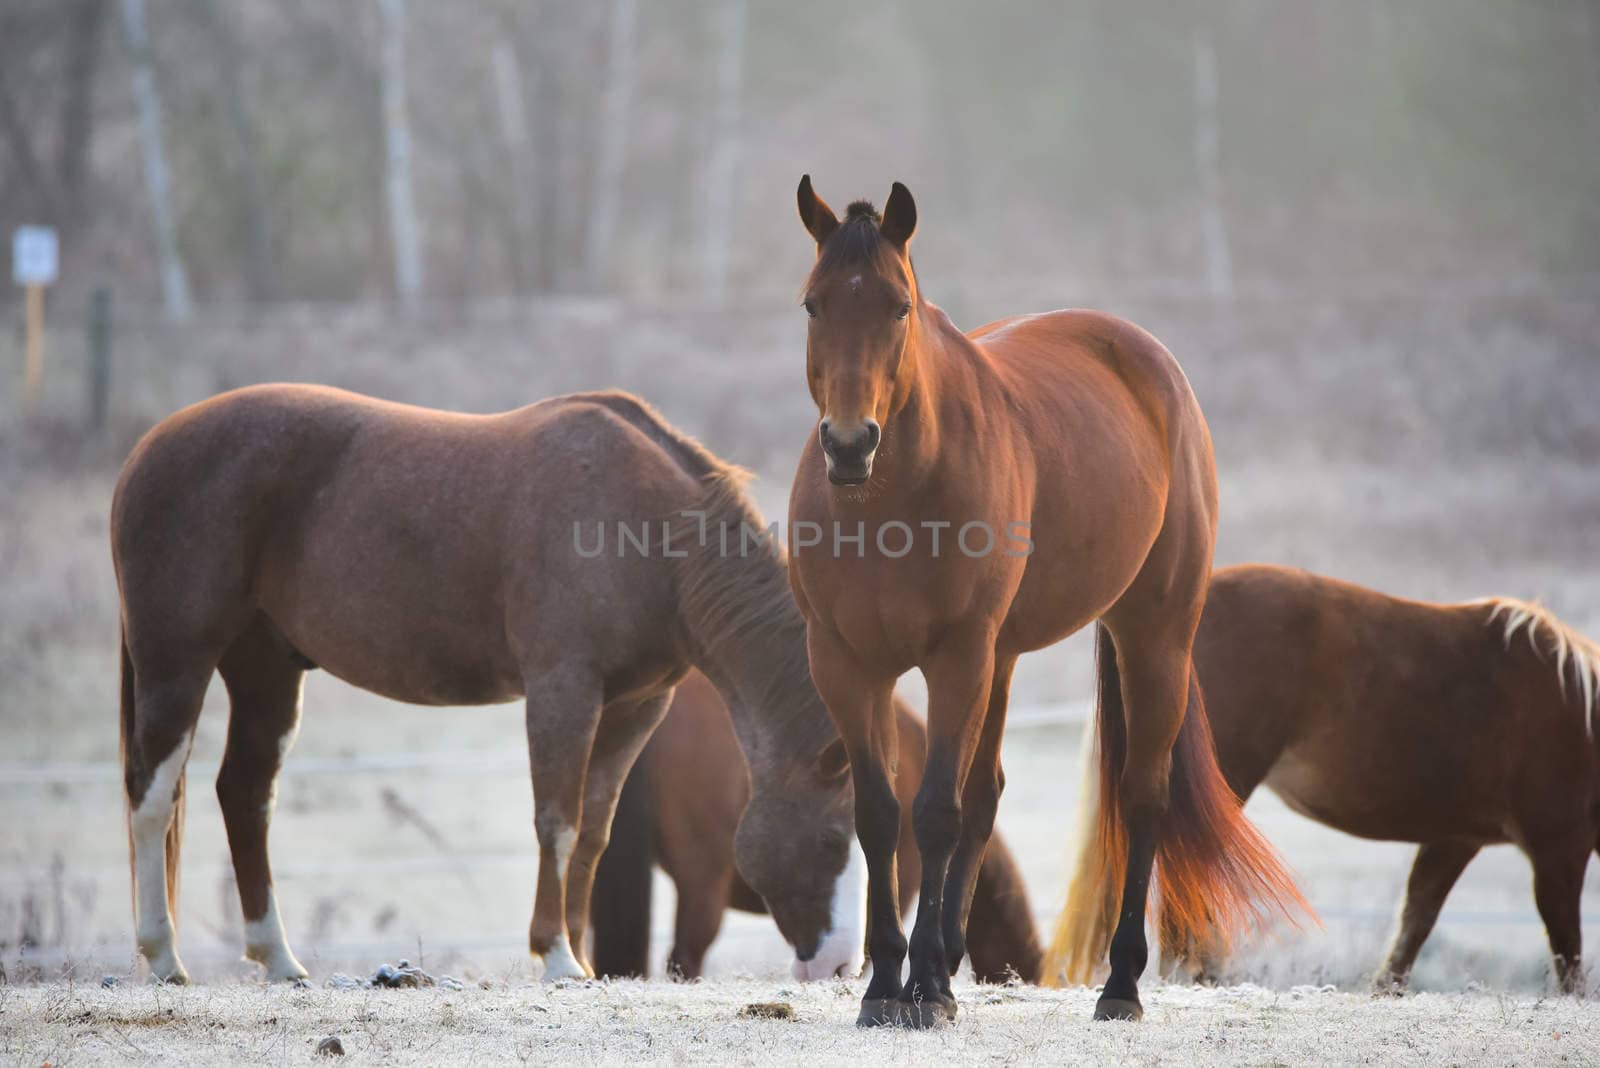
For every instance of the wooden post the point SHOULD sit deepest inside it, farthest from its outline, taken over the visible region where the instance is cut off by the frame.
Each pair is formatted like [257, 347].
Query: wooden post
[33, 362]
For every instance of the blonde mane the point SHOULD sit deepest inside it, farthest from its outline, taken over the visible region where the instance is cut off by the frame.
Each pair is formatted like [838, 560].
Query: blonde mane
[1566, 645]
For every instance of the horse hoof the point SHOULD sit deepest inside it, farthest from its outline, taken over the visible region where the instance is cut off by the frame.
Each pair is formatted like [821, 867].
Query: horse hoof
[1118, 1009]
[177, 977]
[879, 1012]
[926, 1013]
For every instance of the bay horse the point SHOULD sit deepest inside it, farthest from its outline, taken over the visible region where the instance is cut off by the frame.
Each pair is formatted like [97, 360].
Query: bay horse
[1071, 443]
[448, 559]
[679, 808]
[1455, 726]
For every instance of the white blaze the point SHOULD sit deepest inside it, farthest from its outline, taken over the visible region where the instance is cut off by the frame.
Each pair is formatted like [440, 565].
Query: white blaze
[841, 950]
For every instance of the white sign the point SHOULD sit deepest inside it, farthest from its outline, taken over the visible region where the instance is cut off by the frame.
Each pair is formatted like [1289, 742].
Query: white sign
[33, 255]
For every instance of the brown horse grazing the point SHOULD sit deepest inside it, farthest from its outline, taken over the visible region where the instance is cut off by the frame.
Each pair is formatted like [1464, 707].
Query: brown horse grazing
[1402, 721]
[450, 559]
[680, 806]
[968, 498]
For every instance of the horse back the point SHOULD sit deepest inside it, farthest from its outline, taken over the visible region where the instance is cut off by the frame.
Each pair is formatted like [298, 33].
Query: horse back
[420, 554]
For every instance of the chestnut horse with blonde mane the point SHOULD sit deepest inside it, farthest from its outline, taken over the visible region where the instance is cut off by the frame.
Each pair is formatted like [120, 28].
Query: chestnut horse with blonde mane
[1455, 726]
[679, 808]
[449, 559]
[1071, 443]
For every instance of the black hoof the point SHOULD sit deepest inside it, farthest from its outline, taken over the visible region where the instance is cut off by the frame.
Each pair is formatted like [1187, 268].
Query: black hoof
[1118, 1009]
[879, 1012]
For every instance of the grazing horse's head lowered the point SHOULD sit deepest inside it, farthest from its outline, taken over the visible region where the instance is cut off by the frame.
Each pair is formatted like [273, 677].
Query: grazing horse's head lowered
[809, 870]
[862, 300]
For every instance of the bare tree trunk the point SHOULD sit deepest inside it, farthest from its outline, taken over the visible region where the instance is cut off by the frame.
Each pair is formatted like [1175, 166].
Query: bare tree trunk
[722, 164]
[512, 112]
[403, 227]
[1214, 231]
[258, 223]
[613, 157]
[77, 110]
[174, 281]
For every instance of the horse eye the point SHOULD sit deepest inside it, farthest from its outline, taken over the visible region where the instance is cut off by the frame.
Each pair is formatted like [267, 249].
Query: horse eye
[811, 308]
[905, 310]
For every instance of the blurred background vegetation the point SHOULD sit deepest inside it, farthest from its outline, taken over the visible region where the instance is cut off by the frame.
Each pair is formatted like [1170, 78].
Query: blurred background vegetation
[1436, 138]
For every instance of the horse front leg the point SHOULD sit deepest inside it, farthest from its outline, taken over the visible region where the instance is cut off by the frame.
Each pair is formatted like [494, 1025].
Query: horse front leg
[960, 679]
[980, 801]
[563, 715]
[862, 709]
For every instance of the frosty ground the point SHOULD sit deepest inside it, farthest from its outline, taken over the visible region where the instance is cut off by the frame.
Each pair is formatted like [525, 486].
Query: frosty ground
[639, 1022]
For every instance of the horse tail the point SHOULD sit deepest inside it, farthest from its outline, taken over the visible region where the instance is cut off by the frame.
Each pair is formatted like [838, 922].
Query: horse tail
[1001, 937]
[1215, 873]
[620, 901]
[1084, 926]
[124, 736]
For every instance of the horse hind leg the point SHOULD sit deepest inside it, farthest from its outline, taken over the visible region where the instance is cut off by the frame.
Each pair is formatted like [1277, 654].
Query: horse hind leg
[159, 712]
[264, 679]
[1437, 867]
[563, 715]
[1153, 691]
[1558, 891]
[624, 729]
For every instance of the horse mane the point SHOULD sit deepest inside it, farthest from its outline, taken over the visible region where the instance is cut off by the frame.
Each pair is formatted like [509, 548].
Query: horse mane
[733, 595]
[1566, 645]
[735, 600]
[692, 456]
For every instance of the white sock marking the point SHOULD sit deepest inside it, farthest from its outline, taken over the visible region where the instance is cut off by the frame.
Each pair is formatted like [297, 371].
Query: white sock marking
[149, 822]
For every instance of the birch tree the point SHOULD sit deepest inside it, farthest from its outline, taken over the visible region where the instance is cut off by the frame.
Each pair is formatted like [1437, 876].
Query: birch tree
[174, 280]
[719, 193]
[404, 232]
[511, 112]
[1214, 231]
[613, 154]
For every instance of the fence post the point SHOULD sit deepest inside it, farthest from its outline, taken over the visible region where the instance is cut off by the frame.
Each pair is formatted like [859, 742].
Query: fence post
[99, 357]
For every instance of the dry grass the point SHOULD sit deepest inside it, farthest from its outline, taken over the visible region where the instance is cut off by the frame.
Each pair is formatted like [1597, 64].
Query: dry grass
[639, 1023]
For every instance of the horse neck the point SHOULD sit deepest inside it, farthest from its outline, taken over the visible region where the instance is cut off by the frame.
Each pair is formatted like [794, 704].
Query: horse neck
[947, 369]
[746, 635]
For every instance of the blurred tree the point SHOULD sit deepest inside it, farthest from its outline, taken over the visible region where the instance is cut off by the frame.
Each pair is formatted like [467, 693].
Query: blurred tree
[718, 190]
[612, 150]
[403, 225]
[174, 279]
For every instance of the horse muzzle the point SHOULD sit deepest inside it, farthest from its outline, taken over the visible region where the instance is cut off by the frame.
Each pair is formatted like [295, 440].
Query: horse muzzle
[849, 452]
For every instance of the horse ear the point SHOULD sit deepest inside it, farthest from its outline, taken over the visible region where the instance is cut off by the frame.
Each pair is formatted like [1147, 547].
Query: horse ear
[820, 220]
[899, 216]
[833, 761]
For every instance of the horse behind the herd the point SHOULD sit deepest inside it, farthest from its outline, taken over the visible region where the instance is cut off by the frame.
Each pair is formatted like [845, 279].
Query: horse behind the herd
[429, 556]
[1455, 726]
[680, 806]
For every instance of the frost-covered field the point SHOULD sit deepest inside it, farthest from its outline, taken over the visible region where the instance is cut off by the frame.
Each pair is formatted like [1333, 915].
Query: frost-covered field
[634, 1022]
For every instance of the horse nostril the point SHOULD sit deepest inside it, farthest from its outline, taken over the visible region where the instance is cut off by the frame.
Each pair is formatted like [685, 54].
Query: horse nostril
[805, 954]
[874, 433]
